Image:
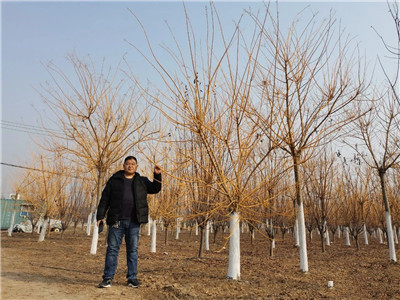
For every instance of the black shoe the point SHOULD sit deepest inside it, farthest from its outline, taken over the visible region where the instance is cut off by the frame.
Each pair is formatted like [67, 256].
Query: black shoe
[106, 283]
[133, 283]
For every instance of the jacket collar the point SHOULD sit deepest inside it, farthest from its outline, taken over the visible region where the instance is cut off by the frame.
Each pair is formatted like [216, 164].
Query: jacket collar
[120, 174]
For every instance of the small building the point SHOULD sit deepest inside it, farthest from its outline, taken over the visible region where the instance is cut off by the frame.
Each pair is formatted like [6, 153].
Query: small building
[8, 206]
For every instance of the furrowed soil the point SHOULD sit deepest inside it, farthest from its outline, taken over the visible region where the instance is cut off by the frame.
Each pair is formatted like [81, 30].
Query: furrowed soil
[63, 269]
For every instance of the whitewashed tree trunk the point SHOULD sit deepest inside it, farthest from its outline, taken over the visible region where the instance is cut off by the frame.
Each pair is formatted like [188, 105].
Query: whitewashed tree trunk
[89, 224]
[392, 249]
[10, 229]
[207, 237]
[153, 236]
[196, 227]
[365, 235]
[39, 225]
[43, 230]
[273, 243]
[327, 239]
[339, 232]
[95, 239]
[380, 236]
[302, 238]
[396, 239]
[178, 228]
[161, 222]
[149, 226]
[296, 232]
[347, 236]
[234, 247]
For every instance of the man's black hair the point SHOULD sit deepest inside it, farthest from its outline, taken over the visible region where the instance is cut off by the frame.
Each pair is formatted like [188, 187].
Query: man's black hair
[129, 158]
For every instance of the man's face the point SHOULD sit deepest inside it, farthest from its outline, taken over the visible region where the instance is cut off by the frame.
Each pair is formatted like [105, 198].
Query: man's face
[130, 167]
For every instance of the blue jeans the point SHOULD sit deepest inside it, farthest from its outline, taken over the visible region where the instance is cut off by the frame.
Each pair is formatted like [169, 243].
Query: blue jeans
[115, 235]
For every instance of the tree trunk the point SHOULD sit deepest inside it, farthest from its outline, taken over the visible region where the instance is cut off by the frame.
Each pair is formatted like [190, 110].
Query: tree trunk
[166, 235]
[296, 232]
[207, 237]
[10, 229]
[215, 234]
[153, 236]
[149, 226]
[200, 253]
[380, 236]
[327, 238]
[271, 247]
[44, 229]
[300, 216]
[95, 238]
[178, 228]
[89, 224]
[365, 233]
[389, 228]
[234, 247]
[357, 243]
[321, 235]
[347, 236]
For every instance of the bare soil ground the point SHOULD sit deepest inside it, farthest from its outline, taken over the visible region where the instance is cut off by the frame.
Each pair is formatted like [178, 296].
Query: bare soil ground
[63, 269]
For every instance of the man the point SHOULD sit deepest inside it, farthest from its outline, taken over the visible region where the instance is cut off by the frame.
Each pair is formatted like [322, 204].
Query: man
[124, 199]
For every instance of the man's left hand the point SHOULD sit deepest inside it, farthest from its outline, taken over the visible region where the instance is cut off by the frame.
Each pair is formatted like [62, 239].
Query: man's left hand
[157, 170]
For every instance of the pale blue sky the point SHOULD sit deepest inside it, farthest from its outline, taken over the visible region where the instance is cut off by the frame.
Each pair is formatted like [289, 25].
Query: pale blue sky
[37, 32]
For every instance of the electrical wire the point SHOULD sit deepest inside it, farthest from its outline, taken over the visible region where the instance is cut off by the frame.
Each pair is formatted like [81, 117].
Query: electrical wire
[21, 127]
[39, 170]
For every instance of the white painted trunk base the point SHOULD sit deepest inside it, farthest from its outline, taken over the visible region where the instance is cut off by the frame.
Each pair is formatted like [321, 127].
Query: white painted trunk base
[380, 236]
[207, 237]
[178, 229]
[392, 250]
[153, 243]
[10, 229]
[149, 225]
[89, 224]
[302, 238]
[95, 239]
[347, 236]
[327, 239]
[234, 247]
[365, 233]
[43, 230]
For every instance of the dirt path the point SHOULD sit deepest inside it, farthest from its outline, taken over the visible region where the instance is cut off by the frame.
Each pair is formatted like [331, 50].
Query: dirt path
[64, 269]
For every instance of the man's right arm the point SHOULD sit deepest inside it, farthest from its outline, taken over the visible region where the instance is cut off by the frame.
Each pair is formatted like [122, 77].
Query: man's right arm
[104, 203]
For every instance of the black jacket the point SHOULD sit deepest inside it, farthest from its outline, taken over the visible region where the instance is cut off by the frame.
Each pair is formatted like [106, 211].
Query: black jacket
[111, 198]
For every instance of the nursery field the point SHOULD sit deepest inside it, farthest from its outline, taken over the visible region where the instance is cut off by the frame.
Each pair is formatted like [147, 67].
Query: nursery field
[63, 269]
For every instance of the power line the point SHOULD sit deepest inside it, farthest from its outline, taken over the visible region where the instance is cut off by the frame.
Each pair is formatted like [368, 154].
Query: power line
[39, 170]
[31, 129]
[27, 126]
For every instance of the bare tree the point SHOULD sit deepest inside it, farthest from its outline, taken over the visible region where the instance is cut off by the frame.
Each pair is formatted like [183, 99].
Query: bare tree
[308, 77]
[99, 117]
[46, 188]
[393, 51]
[378, 132]
[208, 96]
[356, 190]
[319, 187]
